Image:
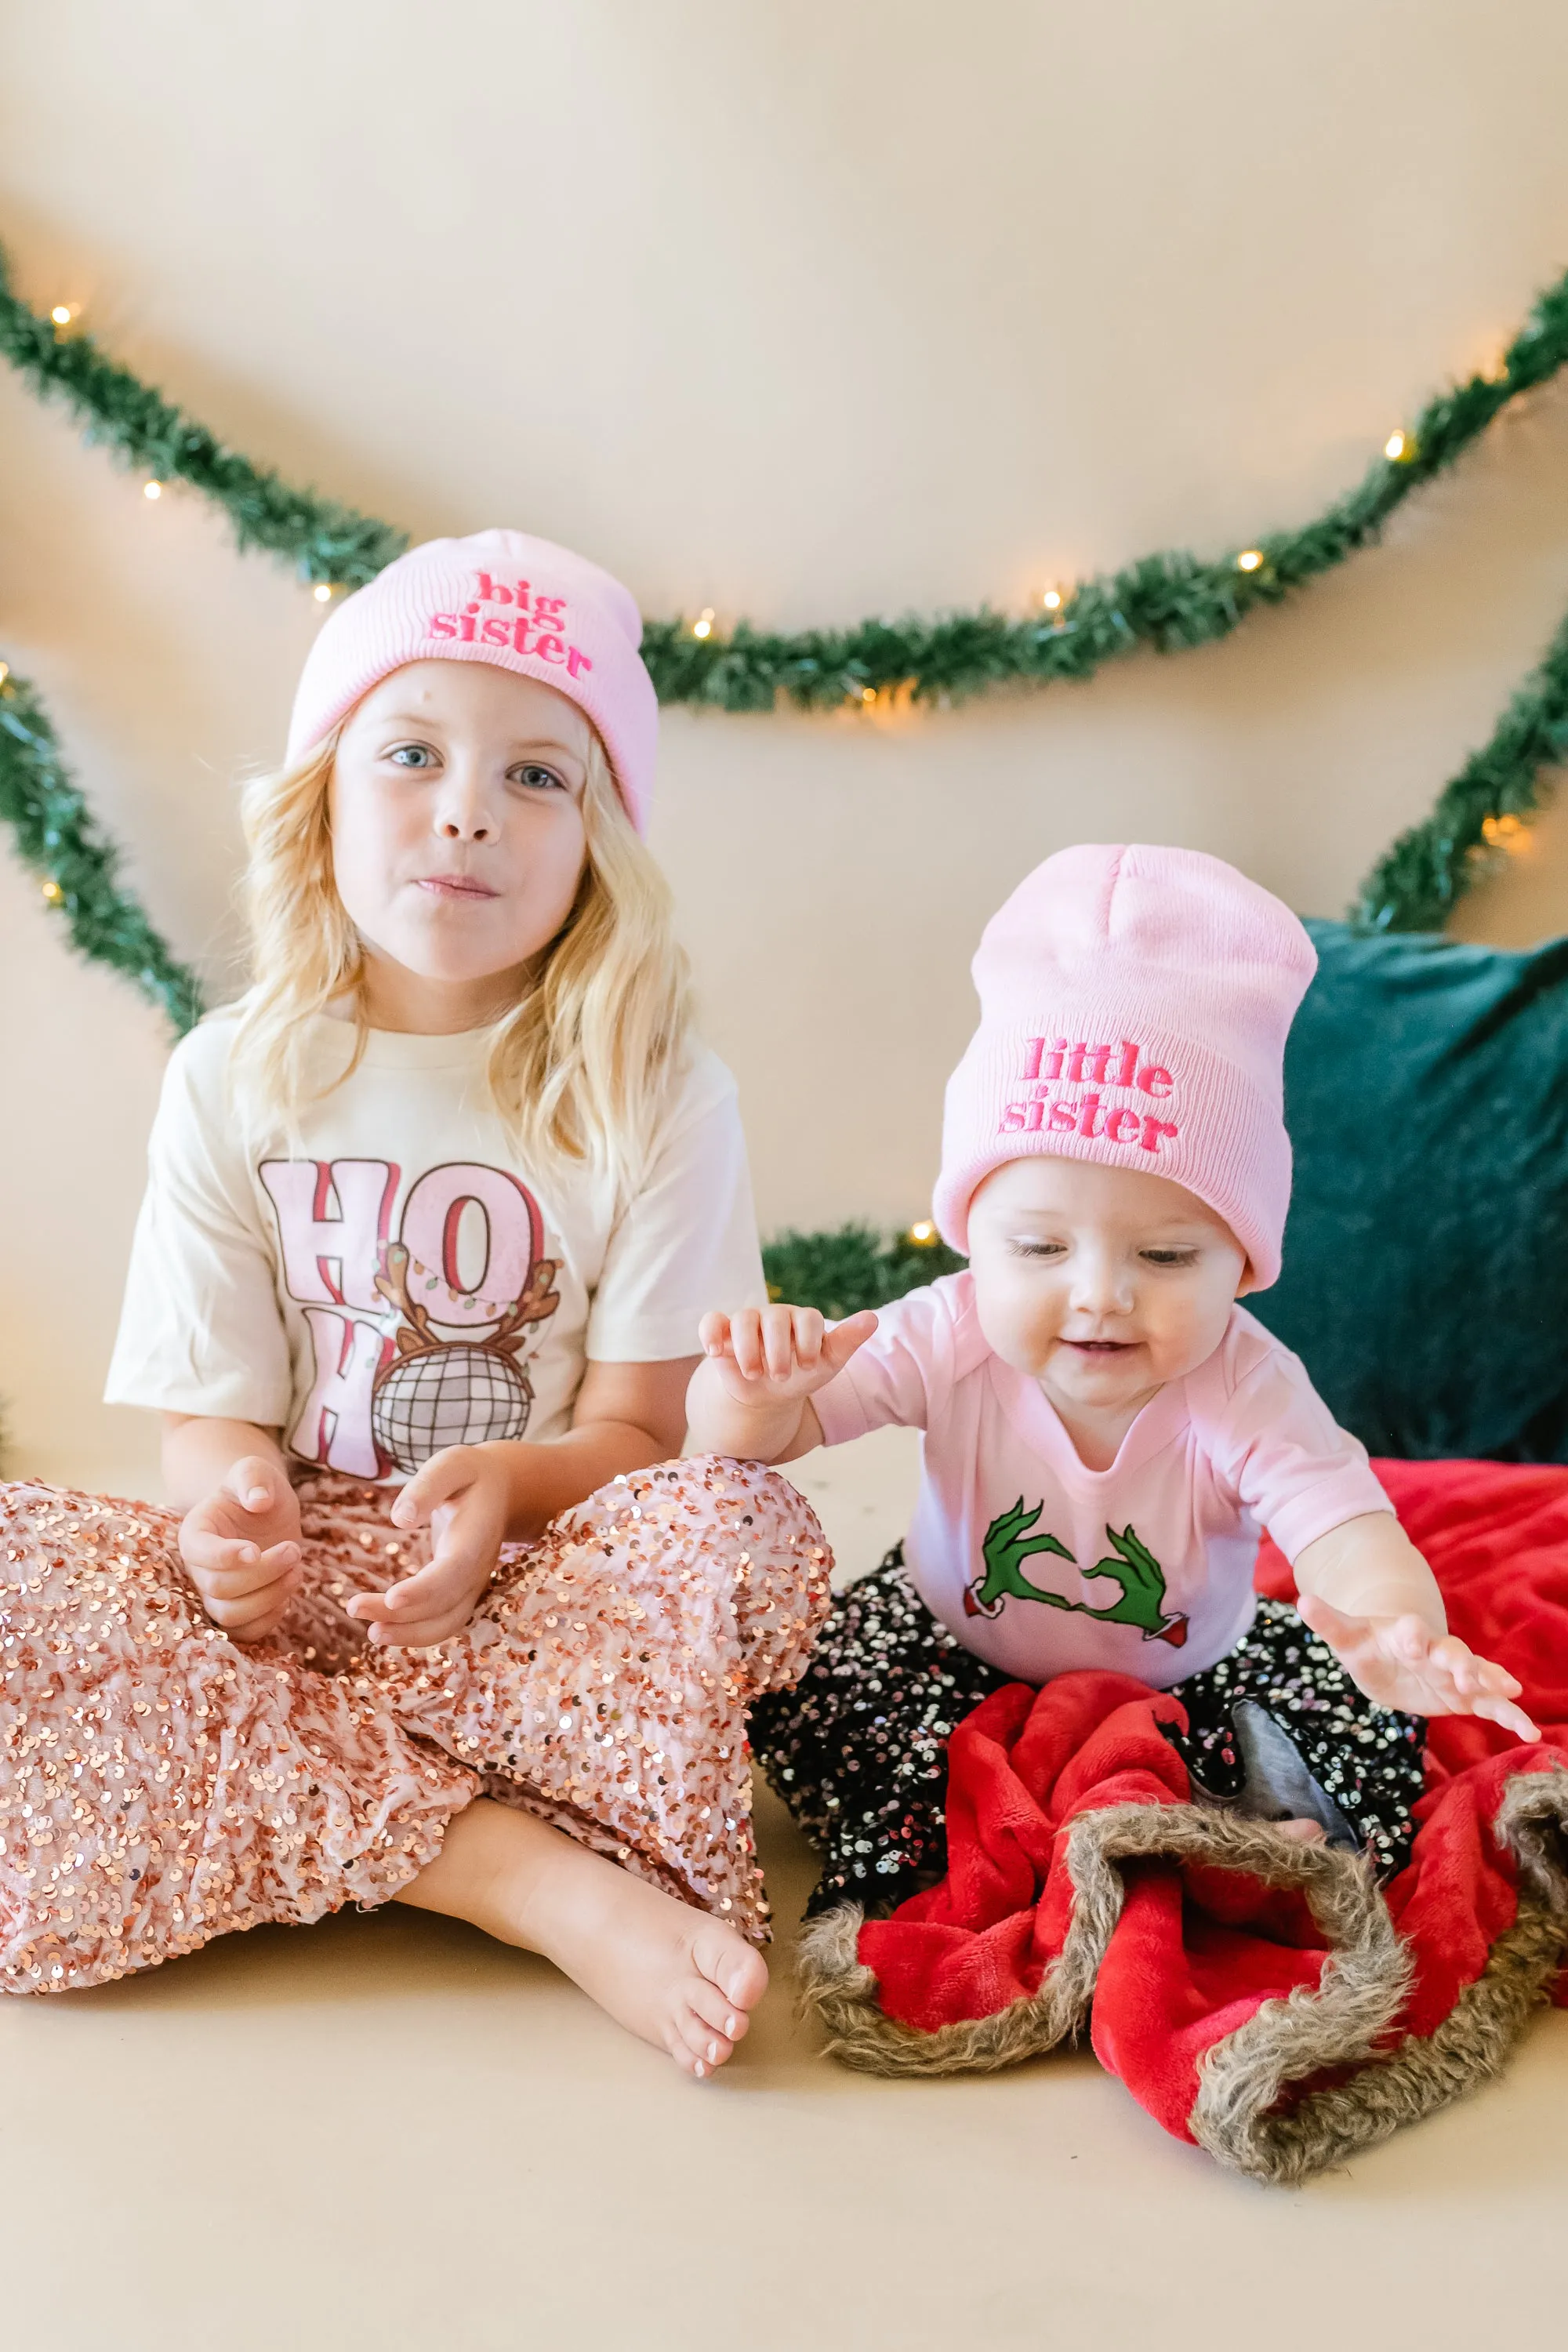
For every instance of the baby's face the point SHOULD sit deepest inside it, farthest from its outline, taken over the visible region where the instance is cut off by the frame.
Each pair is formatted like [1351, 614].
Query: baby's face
[1101, 1282]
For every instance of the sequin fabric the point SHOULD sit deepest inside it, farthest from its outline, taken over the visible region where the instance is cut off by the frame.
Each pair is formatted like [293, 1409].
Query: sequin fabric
[605, 1681]
[858, 1751]
[1370, 1759]
[160, 1784]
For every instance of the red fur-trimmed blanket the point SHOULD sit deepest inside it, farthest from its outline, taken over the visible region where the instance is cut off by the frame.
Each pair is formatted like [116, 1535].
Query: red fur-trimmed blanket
[1270, 2002]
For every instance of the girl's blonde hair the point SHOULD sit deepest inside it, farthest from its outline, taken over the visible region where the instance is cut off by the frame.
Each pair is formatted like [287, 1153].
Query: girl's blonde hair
[579, 1067]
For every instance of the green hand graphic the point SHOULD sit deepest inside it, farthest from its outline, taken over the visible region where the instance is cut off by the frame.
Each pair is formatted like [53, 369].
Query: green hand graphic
[1142, 1600]
[1008, 1543]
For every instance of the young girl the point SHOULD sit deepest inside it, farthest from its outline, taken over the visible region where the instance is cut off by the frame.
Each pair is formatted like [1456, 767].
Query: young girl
[439, 1202]
[1106, 1432]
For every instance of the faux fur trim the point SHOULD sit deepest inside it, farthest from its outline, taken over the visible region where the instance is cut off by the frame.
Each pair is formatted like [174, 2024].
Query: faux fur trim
[838, 1988]
[1236, 2115]
[841, 1991]
[1242, 2115]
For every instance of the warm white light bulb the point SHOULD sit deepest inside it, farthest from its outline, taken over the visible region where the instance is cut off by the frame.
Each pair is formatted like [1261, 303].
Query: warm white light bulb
[924, 1232]
[322, 594]
[1052, 600]
[1249, 559]
[704, 624]
[63, 313]
[152, 490]
[1395, 447]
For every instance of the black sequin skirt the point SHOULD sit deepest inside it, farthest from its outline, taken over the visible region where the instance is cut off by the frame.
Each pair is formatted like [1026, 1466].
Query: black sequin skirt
[857, 1749]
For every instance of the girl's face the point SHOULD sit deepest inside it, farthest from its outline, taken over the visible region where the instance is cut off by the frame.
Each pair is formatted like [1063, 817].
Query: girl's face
[457, 834]
[1101, 1283]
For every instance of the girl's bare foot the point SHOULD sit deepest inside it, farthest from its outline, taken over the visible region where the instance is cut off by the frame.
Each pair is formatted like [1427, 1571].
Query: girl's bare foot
[672, 1974]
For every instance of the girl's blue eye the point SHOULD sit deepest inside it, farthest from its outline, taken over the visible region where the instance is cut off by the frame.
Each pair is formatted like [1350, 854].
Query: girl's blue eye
[538, 779]
[413, 755]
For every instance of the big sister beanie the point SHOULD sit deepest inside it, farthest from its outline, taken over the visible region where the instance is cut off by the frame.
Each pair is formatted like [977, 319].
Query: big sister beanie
[501, 597]
[1133, 1009]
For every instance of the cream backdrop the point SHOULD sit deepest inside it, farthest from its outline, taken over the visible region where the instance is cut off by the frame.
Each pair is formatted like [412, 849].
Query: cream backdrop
[799, 313]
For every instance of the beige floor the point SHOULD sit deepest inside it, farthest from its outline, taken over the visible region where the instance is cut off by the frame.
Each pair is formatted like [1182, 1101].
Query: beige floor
[386, 2132]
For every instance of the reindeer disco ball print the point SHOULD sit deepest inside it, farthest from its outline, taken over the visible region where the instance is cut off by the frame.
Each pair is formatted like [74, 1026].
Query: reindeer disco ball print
[448, 1396]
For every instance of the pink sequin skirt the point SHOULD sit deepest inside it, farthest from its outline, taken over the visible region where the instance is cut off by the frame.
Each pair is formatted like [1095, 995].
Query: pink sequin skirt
[162, 1784]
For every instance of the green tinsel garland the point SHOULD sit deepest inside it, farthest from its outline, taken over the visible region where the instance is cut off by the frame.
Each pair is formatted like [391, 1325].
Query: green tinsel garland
[57, 837]
[1416, 884]
[1169, 600]
[324, 540]
[843, 1271]
[1166, 601]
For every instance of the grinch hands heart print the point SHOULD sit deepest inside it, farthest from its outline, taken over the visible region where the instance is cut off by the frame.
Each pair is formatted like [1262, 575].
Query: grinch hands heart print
[391, 1279]
[421, 1342]
[1012, 1537]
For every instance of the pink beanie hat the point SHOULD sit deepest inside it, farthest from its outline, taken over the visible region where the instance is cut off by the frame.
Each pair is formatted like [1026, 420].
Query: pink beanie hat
[1133, 1009]
[501, 597]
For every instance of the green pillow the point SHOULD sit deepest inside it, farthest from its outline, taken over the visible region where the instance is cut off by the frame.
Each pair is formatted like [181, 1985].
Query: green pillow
[1426, 1280]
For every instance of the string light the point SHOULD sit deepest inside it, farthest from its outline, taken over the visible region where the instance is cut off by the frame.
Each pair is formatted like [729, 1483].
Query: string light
[1510, 833]
[923, 1235]
[152, 490]
[702, 626]
[4, 673]
[64, 313]
[321, 592]
[1052, 600]
[1399, 448]
[868, 695]
[1249, 559]
[53, 893]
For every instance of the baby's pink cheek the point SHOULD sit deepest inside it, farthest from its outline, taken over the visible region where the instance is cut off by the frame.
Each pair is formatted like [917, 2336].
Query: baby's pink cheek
[1021, 1339]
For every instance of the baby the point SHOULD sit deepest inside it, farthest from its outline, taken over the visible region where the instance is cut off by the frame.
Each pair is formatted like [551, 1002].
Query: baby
[1106, 1431]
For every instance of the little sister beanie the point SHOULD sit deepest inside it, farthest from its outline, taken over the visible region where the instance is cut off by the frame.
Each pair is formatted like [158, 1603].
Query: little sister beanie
[1134, 1008]
[500, 596]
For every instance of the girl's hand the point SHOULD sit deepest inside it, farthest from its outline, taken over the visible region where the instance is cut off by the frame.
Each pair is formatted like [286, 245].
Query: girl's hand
[242, 1548]
[1401, 1661]
[466, 1496]
[773, 1355]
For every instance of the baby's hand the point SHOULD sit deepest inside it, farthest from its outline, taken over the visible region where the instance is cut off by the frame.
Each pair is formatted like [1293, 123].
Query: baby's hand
[1401, 1661]
[242, 1548]
[465, 1495]
[770, 1355]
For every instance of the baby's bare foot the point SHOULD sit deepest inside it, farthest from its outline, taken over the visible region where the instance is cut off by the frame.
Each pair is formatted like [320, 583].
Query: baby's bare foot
[1301, 1832]
[674, 1975]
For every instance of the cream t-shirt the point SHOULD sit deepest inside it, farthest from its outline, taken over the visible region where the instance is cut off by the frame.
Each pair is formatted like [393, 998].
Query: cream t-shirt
[392, 1280]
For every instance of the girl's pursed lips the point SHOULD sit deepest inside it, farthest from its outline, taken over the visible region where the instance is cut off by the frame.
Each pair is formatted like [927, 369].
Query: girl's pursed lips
[456, 886]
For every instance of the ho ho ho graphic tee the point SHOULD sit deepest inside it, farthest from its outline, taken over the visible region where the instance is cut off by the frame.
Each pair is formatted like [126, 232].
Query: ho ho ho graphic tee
[392, 1281]
[1041, 1565]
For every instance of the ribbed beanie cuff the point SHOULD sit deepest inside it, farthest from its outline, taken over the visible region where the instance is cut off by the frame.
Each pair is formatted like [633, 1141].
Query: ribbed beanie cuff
[506, 598]
[1134, 1007]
